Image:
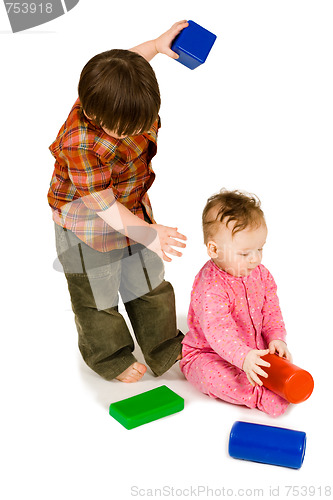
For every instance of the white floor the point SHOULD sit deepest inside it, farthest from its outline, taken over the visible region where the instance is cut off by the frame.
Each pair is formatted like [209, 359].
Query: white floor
[60, 442]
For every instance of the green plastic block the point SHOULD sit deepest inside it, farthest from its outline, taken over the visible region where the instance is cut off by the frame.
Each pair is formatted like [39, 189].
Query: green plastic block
[146, 407]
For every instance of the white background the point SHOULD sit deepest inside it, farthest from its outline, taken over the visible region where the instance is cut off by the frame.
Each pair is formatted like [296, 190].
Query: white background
[256, 116]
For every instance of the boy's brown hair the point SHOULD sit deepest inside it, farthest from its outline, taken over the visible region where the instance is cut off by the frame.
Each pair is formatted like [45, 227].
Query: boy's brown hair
[230, 206]
[118, 90]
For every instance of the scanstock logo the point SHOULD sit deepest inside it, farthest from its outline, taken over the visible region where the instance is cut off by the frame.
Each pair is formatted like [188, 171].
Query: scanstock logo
[25, 15]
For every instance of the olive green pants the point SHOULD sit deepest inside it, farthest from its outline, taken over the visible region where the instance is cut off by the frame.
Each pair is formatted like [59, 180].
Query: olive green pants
[95, 280]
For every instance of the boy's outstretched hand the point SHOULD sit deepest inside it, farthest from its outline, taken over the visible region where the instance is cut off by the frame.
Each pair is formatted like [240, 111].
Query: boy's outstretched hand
[166, 238]
[161, 44]
[164, 41]
[252, 364]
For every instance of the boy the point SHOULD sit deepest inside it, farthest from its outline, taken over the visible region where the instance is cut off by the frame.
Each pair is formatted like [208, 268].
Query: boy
[106, 237]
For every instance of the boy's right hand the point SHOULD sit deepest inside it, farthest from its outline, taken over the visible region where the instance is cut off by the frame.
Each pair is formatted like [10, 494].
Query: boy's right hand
[166, 238]
[252, 364]
[163, 42]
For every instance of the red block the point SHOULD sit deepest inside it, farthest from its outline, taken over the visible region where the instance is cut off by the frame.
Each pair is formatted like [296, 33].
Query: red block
[287, 380]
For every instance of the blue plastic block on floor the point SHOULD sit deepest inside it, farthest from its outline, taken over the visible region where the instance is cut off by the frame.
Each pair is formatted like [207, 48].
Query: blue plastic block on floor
[267, 444]
[193, 45]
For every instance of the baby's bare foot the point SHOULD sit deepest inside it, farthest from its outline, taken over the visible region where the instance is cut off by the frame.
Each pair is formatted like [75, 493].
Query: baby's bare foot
[133, 373]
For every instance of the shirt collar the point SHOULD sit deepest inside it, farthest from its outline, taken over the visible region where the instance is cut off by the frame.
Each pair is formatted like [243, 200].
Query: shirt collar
[231, 277]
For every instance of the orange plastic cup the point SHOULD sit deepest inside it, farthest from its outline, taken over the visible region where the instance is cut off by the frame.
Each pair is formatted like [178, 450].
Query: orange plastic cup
[286, 379]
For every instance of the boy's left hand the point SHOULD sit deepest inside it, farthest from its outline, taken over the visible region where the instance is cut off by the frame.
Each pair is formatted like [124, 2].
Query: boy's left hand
[279, 347]
[164, 41]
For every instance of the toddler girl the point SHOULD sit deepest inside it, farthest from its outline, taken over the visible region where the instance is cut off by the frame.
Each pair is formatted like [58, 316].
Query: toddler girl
[234, 316]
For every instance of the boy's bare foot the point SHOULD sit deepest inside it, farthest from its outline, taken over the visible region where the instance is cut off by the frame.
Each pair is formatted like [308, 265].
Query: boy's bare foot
[133, 373]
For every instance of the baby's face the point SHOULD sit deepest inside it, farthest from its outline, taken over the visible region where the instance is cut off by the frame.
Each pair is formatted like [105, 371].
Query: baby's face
[240, 253]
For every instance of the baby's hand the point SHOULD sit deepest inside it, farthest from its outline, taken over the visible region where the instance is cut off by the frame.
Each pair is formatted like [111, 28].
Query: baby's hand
[279, 347]
[165, 240]
[252, 364]
[164, 41]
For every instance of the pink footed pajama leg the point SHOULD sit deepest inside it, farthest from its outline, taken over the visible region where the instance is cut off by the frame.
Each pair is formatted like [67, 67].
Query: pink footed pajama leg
[271, 403]
[219, 379]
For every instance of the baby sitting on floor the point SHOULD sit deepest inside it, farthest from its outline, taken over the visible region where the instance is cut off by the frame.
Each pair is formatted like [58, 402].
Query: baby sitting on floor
[234, 316]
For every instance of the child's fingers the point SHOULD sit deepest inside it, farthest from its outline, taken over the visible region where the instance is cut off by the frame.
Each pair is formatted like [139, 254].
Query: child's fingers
[168, 247]
[165, 257]
[283, 351]
[172, 251]
[178, 27]
[255, 378]
[262, 352]
[170, 53]
[260, 372]
[250, 380]
[174, 31]
[163, 43]
[175, 234]
[176, 243]
[286, 354]
[289, 356]
[262, 362]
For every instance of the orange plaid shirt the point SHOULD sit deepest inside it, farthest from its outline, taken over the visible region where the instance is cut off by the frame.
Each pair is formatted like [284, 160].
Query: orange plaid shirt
[92, 170]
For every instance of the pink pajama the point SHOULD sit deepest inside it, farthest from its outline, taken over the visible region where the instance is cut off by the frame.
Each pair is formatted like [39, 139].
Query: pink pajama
[219, 379]
[228, 317]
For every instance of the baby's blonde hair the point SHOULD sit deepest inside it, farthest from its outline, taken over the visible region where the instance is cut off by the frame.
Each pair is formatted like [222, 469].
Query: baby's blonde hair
[227, 206]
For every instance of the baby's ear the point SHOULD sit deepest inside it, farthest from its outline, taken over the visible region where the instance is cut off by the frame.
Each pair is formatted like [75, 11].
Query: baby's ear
[212, 249]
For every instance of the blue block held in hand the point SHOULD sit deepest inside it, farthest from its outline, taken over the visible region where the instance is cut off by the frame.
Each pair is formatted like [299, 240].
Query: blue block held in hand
[193, 45]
